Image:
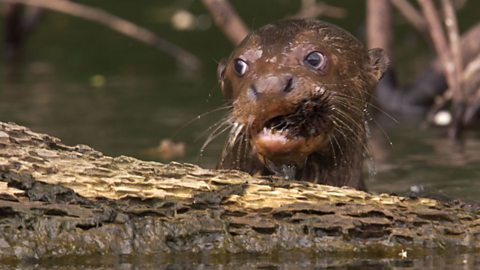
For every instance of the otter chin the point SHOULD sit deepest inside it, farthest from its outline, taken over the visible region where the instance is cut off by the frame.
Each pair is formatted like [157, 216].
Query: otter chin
[299, 93]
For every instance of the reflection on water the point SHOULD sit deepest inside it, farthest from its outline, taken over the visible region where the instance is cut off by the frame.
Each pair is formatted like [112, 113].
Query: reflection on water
[427, 160]
[130, 116]
[290, 261]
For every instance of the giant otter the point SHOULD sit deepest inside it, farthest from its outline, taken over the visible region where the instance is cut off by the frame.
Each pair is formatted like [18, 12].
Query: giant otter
[299, 92]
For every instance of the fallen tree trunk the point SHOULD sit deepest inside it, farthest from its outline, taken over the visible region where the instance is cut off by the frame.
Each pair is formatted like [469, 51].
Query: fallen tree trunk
[58, 200]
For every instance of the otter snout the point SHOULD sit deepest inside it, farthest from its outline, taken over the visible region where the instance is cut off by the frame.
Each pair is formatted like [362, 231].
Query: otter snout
[271, 86]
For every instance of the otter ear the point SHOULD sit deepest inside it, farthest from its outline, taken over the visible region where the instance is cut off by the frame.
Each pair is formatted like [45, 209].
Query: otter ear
[378, 62]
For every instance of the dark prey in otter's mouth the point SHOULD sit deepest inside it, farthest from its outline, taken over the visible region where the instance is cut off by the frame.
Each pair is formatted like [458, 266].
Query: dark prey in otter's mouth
[299, 92]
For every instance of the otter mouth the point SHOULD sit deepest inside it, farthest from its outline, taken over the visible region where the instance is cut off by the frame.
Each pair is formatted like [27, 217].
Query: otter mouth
[291, 137]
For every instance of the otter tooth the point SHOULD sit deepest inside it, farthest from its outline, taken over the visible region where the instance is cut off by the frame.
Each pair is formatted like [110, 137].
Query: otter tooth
[319, 90]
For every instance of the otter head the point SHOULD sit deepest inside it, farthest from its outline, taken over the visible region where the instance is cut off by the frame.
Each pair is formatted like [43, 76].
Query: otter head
[293, 84]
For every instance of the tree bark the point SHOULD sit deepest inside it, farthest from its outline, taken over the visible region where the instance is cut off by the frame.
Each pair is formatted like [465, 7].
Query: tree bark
[58, 200]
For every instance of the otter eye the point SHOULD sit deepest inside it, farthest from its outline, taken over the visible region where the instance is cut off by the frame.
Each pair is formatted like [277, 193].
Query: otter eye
[240, 67]
[315, 60]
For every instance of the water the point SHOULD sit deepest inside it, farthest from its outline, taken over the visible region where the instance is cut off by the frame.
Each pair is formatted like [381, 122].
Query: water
[88, 85]
[426, 159]
[245, 262]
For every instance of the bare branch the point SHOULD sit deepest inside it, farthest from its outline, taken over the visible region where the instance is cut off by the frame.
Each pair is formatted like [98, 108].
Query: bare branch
[471, 87]
[451, 59]
[185, 58]
[379, 25]
[454, 40]
[472, 68]
[227, 19]
[438, 37]
[456, 87]
[312, 9]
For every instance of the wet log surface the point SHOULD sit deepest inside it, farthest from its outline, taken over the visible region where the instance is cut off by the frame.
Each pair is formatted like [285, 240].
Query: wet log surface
[58, 200]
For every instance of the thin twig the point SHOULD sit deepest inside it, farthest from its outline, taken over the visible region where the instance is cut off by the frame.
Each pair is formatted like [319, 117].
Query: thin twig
[312, 9]
[227, 19]
[379, 26]
[459, 102]
[470, 48]
[454, 41]
[450, 56]
[472, 68]
[185, 58]
[471, 87]
[438, 37]
[440, 44]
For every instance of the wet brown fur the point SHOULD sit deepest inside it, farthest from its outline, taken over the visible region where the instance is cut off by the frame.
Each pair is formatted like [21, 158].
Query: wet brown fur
[274, 52]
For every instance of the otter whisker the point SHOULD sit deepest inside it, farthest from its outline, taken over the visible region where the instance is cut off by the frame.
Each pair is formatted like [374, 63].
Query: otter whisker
[384, 132]
[316, 172]
[370, 104]
[347, 127]
[213, 129]
[358, 139]
[246, 150]
[349, 119]
[219, 129]
[345, 138]
[216, 129]
[355, 138]
[330, 136]
[235, 130]
[200, 116]
[378, 125]
[239, 150]
[234, 133]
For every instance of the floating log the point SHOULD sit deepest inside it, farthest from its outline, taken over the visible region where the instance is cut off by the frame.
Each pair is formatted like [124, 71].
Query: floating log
[58, 200]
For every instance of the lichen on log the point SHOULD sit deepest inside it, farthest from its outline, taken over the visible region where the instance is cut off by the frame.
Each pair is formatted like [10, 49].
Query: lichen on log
[58, 200]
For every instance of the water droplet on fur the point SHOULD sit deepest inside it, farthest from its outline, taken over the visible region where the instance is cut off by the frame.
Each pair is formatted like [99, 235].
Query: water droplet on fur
[287, 171]
[367, 130]
[372, 169]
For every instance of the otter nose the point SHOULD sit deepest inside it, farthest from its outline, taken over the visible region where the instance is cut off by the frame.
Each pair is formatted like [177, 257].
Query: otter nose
[271, 86]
